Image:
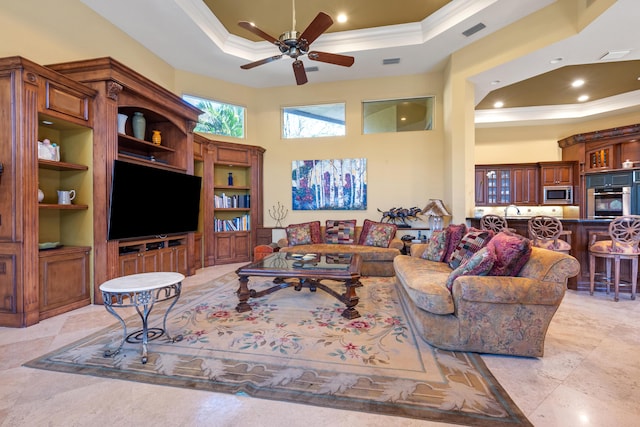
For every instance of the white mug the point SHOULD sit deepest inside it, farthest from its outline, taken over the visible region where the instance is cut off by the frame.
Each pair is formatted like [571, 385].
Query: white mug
[65, 197]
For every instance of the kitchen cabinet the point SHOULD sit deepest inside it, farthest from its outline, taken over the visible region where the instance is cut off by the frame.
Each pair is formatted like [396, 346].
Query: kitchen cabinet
[499, 185]
[611, 179]
[524, 182]
[493, 185]
[557, 173]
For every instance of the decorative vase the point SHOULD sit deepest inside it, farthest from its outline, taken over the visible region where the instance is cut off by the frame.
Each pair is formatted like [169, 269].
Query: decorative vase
[230, 179]
[139, 124]
[156, 138]
[122, 121]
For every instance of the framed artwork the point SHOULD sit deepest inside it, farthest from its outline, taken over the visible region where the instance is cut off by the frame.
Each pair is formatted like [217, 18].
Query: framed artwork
[336, 184]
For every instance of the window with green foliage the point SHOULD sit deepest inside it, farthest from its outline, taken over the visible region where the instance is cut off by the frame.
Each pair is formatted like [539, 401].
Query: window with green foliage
[218, 118]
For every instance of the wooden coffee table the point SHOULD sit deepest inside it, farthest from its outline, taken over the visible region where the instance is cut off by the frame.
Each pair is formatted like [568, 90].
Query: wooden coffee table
[304, 270]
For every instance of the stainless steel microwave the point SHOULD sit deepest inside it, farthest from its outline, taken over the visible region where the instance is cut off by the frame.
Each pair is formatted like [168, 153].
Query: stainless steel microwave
[557, 195]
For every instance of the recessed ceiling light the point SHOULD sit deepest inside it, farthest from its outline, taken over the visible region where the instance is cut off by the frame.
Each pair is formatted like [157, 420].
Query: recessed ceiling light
[556, 60]
[583, 98]
[341, 18]
[497, 82]
[577, 83]
[498, 104]
[403, 118]
[47, 122]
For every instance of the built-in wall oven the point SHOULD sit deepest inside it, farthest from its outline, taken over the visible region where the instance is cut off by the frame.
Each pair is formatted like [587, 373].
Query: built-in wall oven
[608, 202]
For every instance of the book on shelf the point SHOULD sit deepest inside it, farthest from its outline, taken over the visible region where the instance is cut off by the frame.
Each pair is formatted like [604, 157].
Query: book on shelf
[236, 201]
[241, 223]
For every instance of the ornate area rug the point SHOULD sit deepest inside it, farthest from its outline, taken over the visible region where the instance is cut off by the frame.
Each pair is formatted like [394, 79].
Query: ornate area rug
[295, 346]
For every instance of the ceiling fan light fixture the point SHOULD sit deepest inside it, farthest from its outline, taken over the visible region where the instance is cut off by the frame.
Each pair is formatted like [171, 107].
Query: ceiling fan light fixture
[295, 45]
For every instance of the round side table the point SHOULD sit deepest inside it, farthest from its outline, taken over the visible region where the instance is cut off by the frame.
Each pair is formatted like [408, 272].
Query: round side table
[141, 291]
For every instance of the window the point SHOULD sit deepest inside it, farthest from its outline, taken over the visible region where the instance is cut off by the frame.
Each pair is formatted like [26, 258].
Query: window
[218, 118]
[398, 115]
[313, 121]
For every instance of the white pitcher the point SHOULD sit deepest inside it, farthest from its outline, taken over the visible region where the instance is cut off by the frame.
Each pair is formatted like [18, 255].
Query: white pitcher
[65, 197]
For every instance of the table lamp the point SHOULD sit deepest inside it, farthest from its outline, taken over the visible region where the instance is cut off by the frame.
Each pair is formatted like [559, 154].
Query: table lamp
[435, 210]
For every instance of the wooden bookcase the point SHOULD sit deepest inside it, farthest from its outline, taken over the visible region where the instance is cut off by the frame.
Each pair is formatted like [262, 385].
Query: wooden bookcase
[38, 103]
[230, 228]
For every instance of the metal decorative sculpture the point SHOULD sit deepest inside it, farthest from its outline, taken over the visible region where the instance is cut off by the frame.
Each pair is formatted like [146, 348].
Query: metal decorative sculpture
[400, 215]
[278, 214]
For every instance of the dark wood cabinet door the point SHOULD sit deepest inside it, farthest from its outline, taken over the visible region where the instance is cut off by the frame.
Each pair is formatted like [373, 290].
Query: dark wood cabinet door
[524, 183]
[556, 175]
[64, 281]
[481, 187]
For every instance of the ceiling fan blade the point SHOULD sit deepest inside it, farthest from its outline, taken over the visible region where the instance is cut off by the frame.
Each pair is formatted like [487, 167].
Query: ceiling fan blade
[300, 73]
[332, 58]
[261, 62]
[318, 26]
[258, 32]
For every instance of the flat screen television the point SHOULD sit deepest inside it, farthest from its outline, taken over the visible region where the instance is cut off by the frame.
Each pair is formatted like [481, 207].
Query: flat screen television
[147, 201]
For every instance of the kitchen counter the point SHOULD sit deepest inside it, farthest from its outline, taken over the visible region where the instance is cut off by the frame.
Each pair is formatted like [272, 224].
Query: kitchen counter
[581, 231]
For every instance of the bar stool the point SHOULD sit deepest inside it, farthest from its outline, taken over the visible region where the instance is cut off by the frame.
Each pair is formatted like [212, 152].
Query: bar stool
[494, 223]
[624, 236]
[546, 231]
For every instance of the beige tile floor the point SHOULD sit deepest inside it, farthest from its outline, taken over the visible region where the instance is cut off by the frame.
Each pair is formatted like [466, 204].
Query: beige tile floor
[589, 376]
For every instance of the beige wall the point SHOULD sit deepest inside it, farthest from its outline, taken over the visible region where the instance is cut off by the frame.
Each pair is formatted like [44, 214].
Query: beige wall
[521, 144]
[404, 169]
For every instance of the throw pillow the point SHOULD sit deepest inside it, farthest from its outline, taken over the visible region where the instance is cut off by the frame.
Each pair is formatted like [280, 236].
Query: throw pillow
[455, 232]
[303, 234]
[512, 251]
[437, 246]
[341, 232]
[479, 264]
[377, 234]
[471, 243]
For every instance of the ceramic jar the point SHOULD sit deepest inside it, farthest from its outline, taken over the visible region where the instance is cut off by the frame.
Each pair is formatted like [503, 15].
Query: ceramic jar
[139, 124]
[156, 137]
[122, 121]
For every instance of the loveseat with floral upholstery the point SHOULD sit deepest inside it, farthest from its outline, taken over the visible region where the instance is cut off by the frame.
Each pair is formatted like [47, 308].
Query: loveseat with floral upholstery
[475, 291]
[374, 241]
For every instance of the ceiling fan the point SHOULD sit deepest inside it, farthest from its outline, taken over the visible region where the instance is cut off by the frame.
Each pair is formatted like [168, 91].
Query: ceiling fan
[295, 44]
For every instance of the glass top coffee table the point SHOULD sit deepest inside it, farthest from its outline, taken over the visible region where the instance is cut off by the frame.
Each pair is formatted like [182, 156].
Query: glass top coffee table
[304, 270]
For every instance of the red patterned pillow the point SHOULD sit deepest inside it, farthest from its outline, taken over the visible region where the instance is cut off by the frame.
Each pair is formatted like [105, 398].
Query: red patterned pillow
[471, 243]
[454, 233]
[512, 251]
[437, 246]
[341, 232]
[479, 264]
[303, 234]
[377, 234]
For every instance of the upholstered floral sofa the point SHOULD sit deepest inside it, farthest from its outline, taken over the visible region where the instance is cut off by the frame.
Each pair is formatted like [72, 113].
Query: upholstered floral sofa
[470, 290]
[374, 241]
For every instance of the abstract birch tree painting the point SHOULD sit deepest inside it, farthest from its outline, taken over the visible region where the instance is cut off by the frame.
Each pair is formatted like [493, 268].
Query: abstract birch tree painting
[335, 184]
